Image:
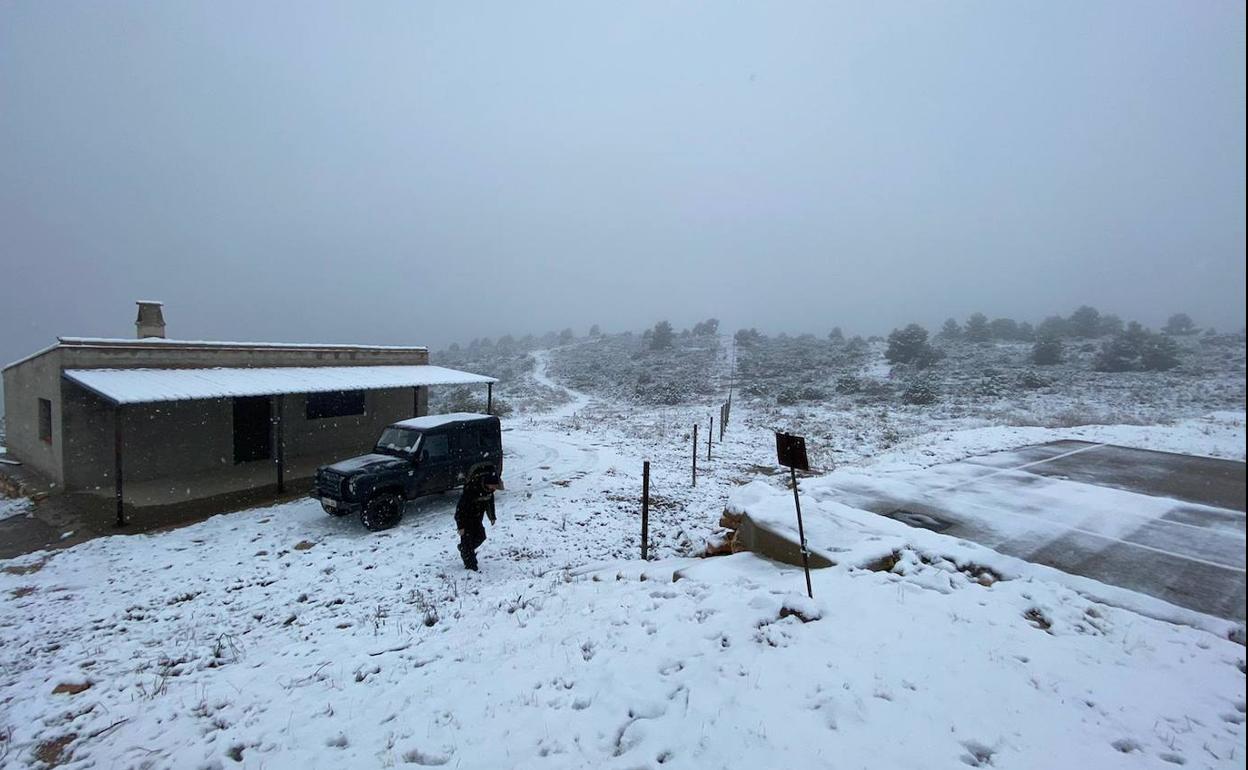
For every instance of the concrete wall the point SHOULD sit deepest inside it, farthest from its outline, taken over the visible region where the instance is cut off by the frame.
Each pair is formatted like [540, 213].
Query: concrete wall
[134, 355]
[341, 437]
[23, 387]
[88, 435]
[186, 442]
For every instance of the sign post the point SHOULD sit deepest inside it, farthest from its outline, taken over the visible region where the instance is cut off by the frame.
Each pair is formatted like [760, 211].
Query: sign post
[791, 451]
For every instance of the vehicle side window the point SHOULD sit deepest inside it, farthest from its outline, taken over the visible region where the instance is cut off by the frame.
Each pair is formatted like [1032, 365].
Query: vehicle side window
[461, 441]
[436, 446]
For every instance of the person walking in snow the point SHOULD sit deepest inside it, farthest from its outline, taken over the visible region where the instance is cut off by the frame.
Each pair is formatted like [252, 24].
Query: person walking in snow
[475, 503]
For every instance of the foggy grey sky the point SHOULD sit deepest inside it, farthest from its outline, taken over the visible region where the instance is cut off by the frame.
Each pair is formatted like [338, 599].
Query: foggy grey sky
[423, 173]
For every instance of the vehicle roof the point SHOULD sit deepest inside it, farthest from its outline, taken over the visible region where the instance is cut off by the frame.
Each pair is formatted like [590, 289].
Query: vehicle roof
[438, 420]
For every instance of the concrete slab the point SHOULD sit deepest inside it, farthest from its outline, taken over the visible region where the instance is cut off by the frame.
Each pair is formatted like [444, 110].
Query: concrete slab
[1204, 480]
[1170, 526]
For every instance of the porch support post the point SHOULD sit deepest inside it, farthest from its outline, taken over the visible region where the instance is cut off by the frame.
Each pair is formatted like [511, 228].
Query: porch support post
[489, 398]
[279, 443]
[117, 467]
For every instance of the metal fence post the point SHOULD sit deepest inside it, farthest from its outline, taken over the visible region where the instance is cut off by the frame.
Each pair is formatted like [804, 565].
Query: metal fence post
[695, 454]
[645, 510]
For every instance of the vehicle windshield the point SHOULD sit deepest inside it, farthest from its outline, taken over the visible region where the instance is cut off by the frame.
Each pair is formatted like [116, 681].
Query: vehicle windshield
[398, 441]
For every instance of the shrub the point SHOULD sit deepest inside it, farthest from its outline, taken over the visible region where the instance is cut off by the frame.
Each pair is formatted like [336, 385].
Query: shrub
[848, 384]
[465, 400]
[1159, 354]
[1047, 351]
[919, 394]
[1137, 349]
[1032, 381]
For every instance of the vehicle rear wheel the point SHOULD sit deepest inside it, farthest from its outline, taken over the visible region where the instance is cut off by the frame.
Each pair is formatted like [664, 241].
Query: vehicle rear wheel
[382, 511]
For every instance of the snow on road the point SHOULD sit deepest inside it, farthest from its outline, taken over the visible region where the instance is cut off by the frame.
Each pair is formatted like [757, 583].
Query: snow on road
[542, 376]
[283, 638]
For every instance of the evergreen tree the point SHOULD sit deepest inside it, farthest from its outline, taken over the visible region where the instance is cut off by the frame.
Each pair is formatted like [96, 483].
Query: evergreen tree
[1180, 324]
[952, 330]
[1004, 329]
[747, 338]
[977, 329]
[1109, 324]
[707, 328]
[1053, 326]
[1085, 323]
[909, 346]
[661, 337]
[836, 336]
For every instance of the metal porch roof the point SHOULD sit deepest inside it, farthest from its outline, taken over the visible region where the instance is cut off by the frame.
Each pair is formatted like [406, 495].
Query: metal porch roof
[145, 386]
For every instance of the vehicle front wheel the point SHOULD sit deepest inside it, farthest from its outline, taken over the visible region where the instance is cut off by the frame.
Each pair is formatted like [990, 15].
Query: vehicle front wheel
[382, 511]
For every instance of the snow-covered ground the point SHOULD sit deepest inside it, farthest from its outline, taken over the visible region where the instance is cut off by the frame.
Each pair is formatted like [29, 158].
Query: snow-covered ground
[280, 637]
[13, 506]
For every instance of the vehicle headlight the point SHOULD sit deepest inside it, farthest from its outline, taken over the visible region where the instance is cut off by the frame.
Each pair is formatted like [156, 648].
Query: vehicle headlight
[353, 484]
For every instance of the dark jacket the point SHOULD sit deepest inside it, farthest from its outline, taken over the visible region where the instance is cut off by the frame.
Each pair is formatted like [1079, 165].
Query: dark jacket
[475, 502]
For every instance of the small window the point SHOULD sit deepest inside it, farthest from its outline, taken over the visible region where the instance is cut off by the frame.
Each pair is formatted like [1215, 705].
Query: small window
[335, 403]
[464, 440]
[45, 420]
[436, 446]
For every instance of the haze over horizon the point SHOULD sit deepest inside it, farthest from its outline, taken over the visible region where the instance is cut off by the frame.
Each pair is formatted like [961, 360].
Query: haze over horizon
[426, 174]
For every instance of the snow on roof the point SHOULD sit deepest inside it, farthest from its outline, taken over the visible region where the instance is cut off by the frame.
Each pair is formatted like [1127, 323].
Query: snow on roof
[144, 386]
[437, 420]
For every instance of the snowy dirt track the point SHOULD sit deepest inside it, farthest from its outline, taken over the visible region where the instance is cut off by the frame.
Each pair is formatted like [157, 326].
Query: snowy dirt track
[283, 638]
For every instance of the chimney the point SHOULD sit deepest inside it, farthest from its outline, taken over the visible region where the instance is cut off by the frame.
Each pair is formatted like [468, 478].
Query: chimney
[151, 321]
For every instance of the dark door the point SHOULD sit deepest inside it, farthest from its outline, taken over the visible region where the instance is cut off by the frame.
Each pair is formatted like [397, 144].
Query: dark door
[252, 429]
[435, 463]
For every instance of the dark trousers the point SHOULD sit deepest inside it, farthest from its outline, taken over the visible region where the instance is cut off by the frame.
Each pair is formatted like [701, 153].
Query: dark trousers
[471, 536]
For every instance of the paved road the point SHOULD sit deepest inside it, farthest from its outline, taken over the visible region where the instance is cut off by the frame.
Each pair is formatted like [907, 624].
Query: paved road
[1167, 525]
